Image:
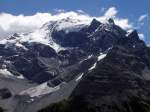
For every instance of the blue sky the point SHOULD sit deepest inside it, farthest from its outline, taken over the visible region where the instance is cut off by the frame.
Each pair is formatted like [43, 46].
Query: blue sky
[131, 9]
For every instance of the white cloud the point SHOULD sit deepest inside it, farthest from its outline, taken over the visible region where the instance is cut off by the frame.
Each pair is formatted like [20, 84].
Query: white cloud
[103, 9]
[124, 23]
[111, 12]
[81, 11]
[141, 36]
[10, 24]
[142, 17]
[59, 10]
[141, 21]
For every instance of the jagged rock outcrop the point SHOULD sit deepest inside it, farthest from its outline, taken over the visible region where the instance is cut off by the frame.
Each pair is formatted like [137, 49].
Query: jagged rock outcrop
[119, 82]
[5, 93]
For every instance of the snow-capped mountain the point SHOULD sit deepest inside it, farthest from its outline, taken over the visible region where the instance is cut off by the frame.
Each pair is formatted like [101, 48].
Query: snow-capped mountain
[46, 65]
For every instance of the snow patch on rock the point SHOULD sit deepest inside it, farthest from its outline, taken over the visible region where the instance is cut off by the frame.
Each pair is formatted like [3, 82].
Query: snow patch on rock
[94, 65]
[39, 36]
[7, 73]
[40, 90]
[79, 77]
[101, 56]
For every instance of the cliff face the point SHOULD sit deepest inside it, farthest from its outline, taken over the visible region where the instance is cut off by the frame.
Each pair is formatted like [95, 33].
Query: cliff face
[119, 82]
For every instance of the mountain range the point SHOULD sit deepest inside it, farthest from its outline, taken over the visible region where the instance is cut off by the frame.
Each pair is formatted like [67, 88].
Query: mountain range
[70, 65]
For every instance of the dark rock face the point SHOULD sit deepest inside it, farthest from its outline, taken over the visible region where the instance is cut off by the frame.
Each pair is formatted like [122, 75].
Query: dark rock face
[39, 62]
[30, 63]
[93, 26]
[5, 93]
[41, 50]
[72, 39]
[118, 80]
[94, 38]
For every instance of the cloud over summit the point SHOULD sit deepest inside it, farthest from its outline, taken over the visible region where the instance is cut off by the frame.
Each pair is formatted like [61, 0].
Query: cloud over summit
[10, 24]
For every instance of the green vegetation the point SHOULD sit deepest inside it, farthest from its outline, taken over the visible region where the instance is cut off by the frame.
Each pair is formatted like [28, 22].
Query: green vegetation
[57, 107]
[75, 105]
[139, 105]
[1, 109]
[78, 104]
